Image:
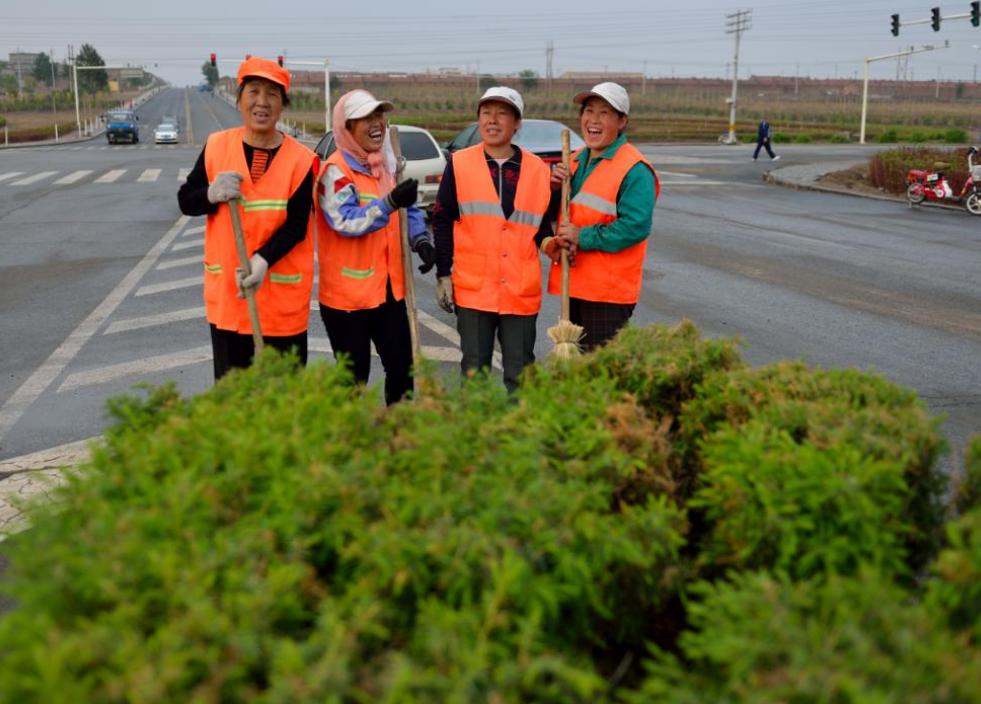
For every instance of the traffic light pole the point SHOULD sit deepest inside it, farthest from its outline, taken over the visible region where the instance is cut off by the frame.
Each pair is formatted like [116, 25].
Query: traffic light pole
[865, 85]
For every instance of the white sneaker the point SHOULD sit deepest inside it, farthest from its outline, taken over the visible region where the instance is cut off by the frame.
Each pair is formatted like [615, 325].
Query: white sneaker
[776, 157]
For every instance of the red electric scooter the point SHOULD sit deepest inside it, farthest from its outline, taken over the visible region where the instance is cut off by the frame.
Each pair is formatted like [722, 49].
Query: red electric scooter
[932, 186]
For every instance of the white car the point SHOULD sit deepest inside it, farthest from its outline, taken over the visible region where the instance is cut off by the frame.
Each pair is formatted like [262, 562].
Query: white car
[165, 133]
[424, 160]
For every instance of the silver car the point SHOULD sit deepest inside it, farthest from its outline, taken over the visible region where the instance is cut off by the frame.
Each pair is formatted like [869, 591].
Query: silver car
[424, 160]
[165, 133]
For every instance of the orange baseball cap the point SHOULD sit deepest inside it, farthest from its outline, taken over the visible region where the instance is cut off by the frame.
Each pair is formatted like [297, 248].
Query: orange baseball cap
[264, 68]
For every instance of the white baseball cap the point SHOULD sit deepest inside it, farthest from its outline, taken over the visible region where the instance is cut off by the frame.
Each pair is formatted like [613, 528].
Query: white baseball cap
[503, 94]
[613, 93]
[360, 103]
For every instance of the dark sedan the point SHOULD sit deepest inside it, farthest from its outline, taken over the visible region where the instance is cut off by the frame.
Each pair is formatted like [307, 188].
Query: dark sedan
[541, 137]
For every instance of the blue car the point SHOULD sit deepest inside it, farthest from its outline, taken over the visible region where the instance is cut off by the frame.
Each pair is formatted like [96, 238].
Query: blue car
[121, 125]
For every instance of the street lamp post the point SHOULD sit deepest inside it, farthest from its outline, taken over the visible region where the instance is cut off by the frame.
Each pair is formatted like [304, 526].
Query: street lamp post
[865, 83]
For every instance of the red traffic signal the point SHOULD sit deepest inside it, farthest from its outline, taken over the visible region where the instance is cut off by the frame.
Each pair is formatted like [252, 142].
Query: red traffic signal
[214, 59]
[279, 60]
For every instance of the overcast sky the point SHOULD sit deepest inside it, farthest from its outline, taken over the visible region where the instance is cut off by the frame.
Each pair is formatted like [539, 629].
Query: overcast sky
[821, 38]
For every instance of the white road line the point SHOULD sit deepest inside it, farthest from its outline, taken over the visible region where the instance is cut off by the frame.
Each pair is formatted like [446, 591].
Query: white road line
[72, 177]
[182, 174]
[183, 261]
[152, 321]
[193, 244]
[147, 365]
[675, 174]
[168, 286]
[440, 354]
[33, 179]
[110, 176]
[701, 182]
[193, 231]
[12, 174]
[44, 375]
[149, 176]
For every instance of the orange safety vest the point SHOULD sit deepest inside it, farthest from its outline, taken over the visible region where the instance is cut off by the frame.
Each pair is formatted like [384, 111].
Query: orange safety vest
[495, 260]
[609, 277]
[283, 299]
[354, 271]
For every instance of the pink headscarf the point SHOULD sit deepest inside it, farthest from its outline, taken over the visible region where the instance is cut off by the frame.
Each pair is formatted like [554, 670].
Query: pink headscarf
[380, 163]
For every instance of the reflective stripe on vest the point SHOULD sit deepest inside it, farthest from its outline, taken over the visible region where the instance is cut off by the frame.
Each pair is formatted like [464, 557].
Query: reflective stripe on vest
[608, 277]
[495, 260]
[284, 300]
[355, 271]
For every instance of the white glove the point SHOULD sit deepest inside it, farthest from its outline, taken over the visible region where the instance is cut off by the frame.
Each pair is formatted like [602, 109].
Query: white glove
[226, 186]
[259, 267]
[444, 293]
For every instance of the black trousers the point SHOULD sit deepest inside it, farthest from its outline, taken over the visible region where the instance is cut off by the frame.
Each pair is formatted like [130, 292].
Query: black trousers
[516, 333]
[231, 350]
[600, 321]
[761, 144]
[352, 332]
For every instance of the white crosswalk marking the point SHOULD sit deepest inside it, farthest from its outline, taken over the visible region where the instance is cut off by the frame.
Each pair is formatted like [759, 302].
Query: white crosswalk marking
[72, 177]
[110, 176]
[149, 176]
[150, 321]
[193, 244]
[148, 365]
[11, 174]
[182, 174]
[193, 231]
[33, 179]
[168, 286]
[184, 261]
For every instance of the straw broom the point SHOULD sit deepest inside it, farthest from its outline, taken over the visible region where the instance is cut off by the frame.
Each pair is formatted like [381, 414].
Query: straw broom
[566, 334]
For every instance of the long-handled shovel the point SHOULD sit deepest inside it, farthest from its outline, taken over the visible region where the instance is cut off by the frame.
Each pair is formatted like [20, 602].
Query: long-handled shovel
[566, 334]
[243, 260]
[410, 284]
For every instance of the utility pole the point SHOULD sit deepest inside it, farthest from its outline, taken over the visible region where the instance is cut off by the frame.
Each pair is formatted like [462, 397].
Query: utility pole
[736, 23]
[51, 56]
[643, 85]
[549, 53]
[797, 80]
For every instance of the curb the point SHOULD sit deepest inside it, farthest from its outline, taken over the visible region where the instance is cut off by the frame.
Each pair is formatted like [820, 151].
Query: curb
[772, 177]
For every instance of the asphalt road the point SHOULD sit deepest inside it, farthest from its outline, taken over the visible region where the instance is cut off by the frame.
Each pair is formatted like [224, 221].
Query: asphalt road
[100, 277]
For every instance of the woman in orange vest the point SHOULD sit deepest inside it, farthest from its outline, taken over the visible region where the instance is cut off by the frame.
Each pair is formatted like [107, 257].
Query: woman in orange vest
[269, 176]
[611, 206]
[362, 284]
[489, 220]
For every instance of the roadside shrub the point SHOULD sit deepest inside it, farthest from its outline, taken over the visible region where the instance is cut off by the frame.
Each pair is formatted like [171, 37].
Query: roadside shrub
[955, 136]
[839, 139]
[802, 138]
[760, 639]
[779, 138]
[286, 538]
[956, 589]
[967, 487]
[888, 169]
[888, 137]
[752, 434]
[919, 137]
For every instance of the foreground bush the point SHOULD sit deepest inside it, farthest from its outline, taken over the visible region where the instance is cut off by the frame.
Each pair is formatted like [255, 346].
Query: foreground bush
[285, 538]
[888, 169]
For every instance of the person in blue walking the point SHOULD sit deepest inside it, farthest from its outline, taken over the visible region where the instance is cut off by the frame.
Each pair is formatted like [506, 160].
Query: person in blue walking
[763, 140]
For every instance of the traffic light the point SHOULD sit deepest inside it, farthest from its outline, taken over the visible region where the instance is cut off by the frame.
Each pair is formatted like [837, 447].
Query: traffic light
[895, 25]
[214, 59]
[279, 60]
[935, 19]
[976, 13]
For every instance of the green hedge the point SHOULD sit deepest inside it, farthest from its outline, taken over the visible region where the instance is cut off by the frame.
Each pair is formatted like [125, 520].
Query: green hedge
[285, 538]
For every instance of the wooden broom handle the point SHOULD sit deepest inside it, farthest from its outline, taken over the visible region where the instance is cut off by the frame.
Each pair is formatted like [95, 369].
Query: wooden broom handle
[566, 186]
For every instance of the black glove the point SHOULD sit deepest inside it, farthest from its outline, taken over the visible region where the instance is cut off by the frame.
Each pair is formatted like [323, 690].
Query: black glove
[403, 195]
[427, 253]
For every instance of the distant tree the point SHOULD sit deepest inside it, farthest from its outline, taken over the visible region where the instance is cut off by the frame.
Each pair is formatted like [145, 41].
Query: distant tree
[210, 73]
[8, 84]
[91, 81]
[42, 68]
[959, 90]
[529, 79]
[486, 81]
